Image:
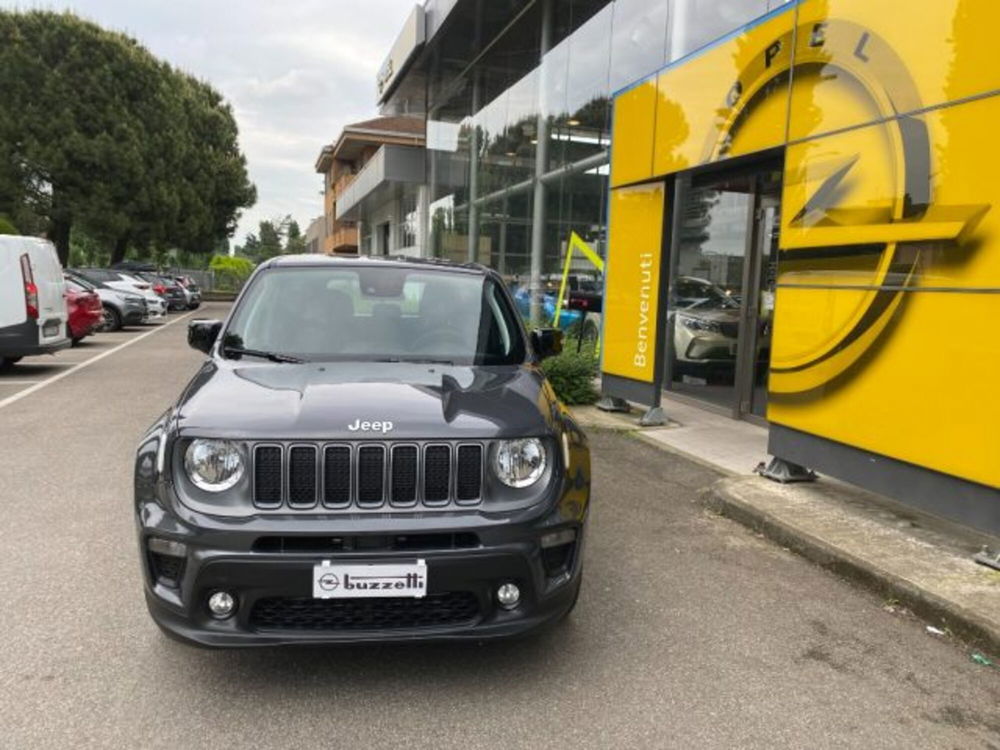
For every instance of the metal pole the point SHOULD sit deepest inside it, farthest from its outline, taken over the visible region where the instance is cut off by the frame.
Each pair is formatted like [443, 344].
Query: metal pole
[678, 38]
[538, 217]
[472, 253]
[474, 176]
[502, 258]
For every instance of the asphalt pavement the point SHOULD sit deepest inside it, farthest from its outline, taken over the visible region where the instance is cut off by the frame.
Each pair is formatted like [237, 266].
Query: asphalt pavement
[690, 631]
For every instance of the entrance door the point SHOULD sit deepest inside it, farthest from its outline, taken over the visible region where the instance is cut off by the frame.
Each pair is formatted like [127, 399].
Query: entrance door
[722, 290]
[383, 238]
[759, 307]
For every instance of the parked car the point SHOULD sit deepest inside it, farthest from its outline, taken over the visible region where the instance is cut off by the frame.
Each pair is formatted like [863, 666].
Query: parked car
[83, 307]
[169, 290]
[124, 282]
[193, 291]
[575, 312]
[706, 324]
[522, 297]
[32, 309]
[117, 308]
[370, 452]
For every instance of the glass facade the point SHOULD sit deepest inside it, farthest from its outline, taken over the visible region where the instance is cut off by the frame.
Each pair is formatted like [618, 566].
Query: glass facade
[519, 120]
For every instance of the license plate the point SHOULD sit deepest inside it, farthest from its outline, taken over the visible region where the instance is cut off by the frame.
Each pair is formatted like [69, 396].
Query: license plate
[339, 581]
[50, 329]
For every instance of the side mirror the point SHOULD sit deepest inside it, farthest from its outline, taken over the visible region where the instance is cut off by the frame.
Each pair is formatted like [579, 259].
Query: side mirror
[547, 342]
[203, 333]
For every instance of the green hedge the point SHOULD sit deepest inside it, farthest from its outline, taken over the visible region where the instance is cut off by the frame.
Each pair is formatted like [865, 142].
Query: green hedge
[7, 226]
[572, 375]
[230, 272]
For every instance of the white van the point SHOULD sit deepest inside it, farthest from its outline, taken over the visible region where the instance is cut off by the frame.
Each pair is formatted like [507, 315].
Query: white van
[32, 303]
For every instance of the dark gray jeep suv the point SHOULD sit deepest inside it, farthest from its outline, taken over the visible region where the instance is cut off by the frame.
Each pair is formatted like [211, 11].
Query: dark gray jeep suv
[370, 451]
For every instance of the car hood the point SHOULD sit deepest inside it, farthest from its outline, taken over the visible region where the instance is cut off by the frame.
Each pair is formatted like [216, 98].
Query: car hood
[718, 314]
[319, 401]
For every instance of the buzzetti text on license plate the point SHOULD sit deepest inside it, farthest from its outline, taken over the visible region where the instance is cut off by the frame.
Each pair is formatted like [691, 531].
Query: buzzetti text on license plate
[337, 581]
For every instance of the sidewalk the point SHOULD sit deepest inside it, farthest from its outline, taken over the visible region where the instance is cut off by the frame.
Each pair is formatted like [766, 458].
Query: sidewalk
[920, 561]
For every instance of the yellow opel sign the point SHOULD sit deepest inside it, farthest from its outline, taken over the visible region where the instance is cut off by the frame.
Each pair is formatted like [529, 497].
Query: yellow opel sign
[888, 278]
[632, 283]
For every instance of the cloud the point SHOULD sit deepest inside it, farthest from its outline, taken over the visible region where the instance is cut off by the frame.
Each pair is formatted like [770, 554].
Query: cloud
[295, 73]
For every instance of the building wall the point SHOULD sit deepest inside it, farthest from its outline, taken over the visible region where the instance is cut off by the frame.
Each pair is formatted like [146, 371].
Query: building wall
[889, 271]
[339, 236]
[315, 233]
[400, 212]
[522, 139]
[346, 236]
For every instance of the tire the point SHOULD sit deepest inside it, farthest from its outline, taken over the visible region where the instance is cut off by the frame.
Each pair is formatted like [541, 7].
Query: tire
[112, 319]
[6, 362]
[76, 341]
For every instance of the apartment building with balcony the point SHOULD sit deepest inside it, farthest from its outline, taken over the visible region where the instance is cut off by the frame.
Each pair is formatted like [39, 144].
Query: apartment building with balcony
[374, 195]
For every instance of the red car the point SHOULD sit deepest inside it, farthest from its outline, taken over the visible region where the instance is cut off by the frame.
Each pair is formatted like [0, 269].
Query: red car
[85, 312]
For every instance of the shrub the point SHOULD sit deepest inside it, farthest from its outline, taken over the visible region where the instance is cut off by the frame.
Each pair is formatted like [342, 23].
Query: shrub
[572, 375]
[230, 271]
[7, 226]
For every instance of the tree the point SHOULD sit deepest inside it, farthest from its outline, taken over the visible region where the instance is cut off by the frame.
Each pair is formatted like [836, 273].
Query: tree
[96, 133]
[295, 243]
[270, 240]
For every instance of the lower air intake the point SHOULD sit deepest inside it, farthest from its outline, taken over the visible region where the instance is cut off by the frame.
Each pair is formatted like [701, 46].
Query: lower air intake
[300, 613]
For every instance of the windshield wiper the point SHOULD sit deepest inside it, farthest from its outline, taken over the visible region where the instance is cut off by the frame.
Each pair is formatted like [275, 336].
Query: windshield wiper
[416, 360]
[272, 356]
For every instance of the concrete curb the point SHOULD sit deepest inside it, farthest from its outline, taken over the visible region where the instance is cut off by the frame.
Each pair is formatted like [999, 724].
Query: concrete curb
[978, 624]
[218, 296]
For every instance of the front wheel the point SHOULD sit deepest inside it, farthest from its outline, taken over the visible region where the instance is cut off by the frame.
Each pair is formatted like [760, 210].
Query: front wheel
[6, 362]
[111, 319]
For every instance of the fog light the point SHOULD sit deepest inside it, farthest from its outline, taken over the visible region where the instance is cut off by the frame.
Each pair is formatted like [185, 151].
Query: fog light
[221, 604]
[508, 595]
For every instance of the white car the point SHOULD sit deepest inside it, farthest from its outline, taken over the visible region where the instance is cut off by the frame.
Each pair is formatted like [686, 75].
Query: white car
[32, 299]
[155, 304]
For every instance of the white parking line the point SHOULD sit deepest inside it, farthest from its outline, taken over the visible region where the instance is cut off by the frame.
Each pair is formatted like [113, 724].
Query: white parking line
[39, 385]
[18, 382]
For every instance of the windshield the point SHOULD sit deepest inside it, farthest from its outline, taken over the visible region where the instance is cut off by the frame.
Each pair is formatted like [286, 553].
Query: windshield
[377, 314]
[700, 294]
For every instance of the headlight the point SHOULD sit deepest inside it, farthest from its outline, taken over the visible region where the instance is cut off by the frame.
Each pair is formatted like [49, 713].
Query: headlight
[699, 324]
[213, 465]
[519, 463]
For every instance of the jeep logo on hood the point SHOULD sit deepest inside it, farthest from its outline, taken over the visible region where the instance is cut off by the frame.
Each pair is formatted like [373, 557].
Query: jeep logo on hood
[360, 426]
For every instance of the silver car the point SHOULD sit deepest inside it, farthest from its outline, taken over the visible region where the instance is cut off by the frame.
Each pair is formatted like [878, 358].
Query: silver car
[119, 308]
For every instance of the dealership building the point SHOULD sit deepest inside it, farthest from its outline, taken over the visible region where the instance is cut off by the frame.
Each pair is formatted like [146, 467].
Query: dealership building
[795, 202]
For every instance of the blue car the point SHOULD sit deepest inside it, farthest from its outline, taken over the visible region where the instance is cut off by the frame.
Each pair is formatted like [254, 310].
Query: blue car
[522, 298]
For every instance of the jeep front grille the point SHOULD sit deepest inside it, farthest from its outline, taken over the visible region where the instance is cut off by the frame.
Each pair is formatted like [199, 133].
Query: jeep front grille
[366, 475]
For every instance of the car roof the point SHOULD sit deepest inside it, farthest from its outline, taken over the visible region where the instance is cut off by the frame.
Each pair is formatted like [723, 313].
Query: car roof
[397, 261]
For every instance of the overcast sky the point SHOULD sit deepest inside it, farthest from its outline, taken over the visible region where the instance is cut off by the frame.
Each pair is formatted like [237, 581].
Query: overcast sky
[295, 72]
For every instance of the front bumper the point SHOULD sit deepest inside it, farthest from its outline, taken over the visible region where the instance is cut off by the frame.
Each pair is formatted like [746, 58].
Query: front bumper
[132, 314]
[229, 555]
[155, 310]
